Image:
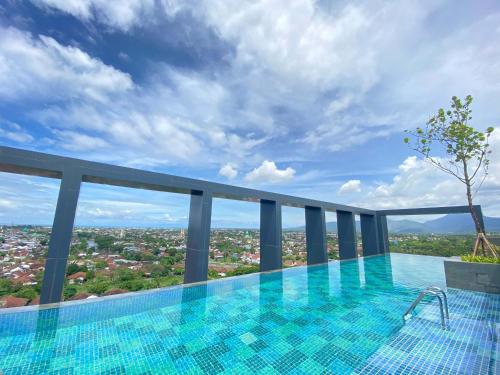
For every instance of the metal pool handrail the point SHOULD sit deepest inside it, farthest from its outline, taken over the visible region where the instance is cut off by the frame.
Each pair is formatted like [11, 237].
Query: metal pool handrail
[436, 292]
[445, 298]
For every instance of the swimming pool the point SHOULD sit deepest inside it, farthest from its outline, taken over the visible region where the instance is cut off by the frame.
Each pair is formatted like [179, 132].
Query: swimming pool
[343, 317]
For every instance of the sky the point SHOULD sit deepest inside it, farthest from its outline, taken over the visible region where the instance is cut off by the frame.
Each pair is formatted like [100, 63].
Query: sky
[309, 98]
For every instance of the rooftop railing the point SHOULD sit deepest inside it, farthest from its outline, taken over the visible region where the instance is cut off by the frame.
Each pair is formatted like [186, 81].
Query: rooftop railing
[72, 172]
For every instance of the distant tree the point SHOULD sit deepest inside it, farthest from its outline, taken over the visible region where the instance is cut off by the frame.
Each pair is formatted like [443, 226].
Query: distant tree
[6, 287]
[104, 242]
[466, 149]
[132, 285]
[178, 271]
[126, 275]
[90, 274]
[69, 291]
[100, 264]
[72, 268]
[156, 251]
[27, 292]
[98, 286]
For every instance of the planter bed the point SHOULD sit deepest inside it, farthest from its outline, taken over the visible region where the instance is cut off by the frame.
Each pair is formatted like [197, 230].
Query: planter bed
[479, 277]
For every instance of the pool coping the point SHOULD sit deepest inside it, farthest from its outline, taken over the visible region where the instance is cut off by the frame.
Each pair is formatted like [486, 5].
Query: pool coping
[47, 306]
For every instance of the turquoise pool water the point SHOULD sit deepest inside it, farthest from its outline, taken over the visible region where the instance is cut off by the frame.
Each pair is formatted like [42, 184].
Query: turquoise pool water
[344, 317]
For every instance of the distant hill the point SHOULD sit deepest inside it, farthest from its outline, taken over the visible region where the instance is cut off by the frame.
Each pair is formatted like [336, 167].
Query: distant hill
[449, 224]
[460, 223]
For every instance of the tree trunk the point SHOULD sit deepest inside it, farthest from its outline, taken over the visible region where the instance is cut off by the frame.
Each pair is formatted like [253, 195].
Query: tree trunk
[481, 241]
[475, 217]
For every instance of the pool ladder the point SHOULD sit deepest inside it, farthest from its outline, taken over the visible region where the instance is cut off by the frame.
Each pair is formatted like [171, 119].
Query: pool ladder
[443, 303]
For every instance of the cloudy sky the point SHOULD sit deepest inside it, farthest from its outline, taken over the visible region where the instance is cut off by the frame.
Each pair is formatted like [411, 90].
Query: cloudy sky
[296, 96]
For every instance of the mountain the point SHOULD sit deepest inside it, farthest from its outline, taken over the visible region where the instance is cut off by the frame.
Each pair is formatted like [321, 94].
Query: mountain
[460, 223]
[405, 226]
[449, 224]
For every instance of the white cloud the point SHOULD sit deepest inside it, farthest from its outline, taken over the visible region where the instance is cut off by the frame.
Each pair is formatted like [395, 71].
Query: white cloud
[75, 141]
[14, 132]
[4, 203]
[42, 69]
[329, 78]
[328, 60]
[351, 186]
[26, 199]
[121, 15]
[369, 81]
[269, 173]
[228, 171]
[88, 105]
[99, 212]
[420, 184]
[307, 46]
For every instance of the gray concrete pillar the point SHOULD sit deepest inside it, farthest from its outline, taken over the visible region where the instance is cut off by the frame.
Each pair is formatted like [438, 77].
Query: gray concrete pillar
[200, 215]
[369, 234]
[316, 235]
[270, 235]
[346, 233]
[383, 234]
[60, 237]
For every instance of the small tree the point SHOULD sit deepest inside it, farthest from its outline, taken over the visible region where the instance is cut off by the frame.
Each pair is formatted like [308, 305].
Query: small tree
[466, 151]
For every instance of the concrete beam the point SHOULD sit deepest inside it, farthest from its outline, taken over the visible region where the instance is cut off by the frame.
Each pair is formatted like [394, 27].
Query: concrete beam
[346, 232]
[316, 235]
[369, 234]
[19, 161]
[427, 210]
[270, 236]
[60, 237]
[200, 215]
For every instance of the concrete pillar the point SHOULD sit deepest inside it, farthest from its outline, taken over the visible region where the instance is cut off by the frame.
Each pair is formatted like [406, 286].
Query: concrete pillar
[369, 234]
[316, 235]
[270, 235]
[346, 233]
[383, 234]
[200, 215]
[60, 237]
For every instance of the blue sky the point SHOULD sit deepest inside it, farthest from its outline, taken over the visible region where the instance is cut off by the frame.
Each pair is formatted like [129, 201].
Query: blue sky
[303, 97]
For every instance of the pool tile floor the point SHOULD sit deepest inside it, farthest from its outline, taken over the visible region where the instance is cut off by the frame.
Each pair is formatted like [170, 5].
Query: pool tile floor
[338, 318]
[468, 346]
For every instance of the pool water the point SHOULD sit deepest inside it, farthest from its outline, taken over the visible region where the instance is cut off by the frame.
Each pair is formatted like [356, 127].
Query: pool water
[343, 317]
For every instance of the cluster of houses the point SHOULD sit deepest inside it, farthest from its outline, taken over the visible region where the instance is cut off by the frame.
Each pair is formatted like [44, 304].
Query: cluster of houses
[21, 255]
[22, 251]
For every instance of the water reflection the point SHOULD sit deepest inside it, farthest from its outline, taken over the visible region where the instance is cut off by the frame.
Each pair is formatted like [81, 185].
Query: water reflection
[349, 276]
[318, 282]
[378, 272]
[46, 325]
[271, 290]
[193, 305]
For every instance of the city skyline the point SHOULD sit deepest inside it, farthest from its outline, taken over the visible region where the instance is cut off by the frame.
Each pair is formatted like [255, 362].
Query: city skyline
[194, 91]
